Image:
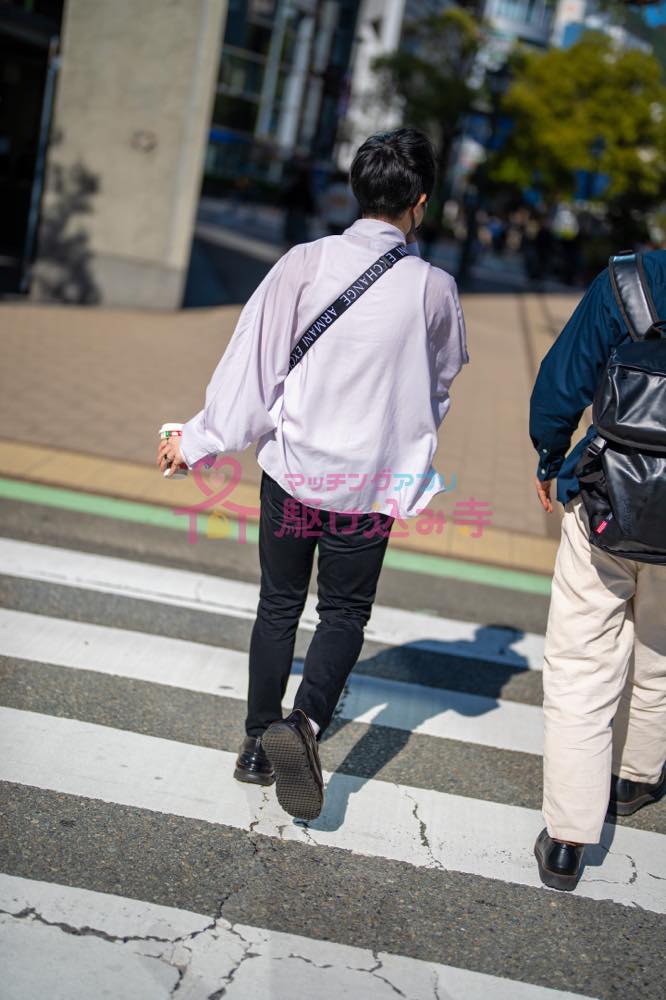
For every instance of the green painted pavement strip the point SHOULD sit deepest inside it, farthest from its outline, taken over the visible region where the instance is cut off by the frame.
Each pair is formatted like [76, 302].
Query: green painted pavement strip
[491, 576]
[121, 510]
[163, 517]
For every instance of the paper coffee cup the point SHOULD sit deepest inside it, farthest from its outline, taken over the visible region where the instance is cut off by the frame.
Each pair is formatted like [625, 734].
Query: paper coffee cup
[173, 430]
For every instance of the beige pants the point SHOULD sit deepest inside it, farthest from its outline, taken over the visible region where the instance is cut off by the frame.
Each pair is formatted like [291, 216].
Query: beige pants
[604, 680]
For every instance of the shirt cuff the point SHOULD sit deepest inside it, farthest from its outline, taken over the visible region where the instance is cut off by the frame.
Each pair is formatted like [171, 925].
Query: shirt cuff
[549, 465]
[196, 442]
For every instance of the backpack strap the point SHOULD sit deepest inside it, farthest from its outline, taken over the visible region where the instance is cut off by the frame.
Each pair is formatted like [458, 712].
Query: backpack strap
[632, 293]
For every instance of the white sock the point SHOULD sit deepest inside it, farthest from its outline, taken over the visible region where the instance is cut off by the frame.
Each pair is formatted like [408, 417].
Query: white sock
[315, 727]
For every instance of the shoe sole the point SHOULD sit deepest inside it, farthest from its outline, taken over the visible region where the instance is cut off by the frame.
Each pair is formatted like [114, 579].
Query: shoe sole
[296, 788]
[565, 883]
[253, 778]
[629, 808]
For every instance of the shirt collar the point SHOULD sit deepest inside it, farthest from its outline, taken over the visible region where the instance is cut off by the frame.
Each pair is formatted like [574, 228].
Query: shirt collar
[376, 233]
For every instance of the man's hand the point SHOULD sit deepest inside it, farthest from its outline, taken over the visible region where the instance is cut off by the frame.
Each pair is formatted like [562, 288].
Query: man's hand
[543, 493]
[168, 453]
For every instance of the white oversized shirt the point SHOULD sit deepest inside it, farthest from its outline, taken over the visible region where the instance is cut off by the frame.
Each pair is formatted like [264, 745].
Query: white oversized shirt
[353, 427]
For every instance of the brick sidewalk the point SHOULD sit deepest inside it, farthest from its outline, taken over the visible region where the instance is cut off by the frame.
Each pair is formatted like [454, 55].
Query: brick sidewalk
[101, 382]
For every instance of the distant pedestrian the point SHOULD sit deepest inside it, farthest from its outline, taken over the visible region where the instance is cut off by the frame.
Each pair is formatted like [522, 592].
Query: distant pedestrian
[604, 671]
[298, 204]
[338, 207]
[339, 413]
[537, 248]
[566, 232]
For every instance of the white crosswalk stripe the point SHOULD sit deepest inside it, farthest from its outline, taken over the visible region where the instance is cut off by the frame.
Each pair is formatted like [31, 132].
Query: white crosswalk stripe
[143, 949]
[233, 598]
[217, 671]
[143, 945]
[428, 828]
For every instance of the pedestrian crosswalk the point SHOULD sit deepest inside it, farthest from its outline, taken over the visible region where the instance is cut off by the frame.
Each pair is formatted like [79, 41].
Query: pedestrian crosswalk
[426, 828]
[133, 858]
[138, 956]
[185, 589]
[212, 670]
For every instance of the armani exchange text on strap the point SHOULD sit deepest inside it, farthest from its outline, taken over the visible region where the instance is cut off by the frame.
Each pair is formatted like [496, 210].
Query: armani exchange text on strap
[347, 299]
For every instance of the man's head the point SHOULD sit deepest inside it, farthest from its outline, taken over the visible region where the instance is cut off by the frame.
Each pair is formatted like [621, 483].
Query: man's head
[393, 175]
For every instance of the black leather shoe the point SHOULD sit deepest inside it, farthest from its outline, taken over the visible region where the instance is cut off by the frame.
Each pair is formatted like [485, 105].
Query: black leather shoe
[252, 764]
[627, 797]
[291, 747]
[559, 864]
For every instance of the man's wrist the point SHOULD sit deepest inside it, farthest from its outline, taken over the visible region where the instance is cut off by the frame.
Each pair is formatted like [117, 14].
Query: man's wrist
[548, 467]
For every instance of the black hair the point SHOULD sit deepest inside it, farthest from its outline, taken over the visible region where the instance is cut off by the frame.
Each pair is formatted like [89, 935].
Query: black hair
[391, 170]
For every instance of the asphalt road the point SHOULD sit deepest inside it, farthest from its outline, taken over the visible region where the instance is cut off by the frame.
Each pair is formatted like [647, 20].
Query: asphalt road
[120, 817]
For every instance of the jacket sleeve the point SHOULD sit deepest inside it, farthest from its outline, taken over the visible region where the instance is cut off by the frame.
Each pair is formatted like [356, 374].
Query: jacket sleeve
[246, 385]
[569, 374]
[447, 338]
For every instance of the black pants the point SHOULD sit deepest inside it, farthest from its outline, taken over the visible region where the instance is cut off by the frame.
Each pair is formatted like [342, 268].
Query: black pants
[350, 554]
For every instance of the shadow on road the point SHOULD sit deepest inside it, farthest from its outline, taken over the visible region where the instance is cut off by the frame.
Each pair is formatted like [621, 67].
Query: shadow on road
[397, 713]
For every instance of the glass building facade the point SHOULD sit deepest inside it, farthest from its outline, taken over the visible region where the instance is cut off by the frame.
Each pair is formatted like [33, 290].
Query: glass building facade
[281, 86]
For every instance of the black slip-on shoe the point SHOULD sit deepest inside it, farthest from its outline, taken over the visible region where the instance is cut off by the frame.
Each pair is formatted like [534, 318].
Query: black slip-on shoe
[559, 864]
[252, 764]
[291, 747]
[627, 797]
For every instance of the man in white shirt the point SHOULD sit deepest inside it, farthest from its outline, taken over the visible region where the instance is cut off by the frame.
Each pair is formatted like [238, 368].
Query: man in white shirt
[346, 421]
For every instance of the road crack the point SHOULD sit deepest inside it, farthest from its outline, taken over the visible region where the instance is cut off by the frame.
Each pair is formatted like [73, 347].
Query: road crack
[246, 955]
[30, 913]
[634, 870]
[423, 833]
[374, 973]
[303, 825]
[302, 958]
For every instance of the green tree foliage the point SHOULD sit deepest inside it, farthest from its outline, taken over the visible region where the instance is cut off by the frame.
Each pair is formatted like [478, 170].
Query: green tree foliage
[429, 74]
[592, 107]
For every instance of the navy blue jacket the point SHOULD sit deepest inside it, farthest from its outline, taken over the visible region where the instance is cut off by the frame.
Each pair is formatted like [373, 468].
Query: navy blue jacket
[569, 373]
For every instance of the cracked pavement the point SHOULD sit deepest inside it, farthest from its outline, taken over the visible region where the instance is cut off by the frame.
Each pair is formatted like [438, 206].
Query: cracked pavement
[208, 961]
[397, 890]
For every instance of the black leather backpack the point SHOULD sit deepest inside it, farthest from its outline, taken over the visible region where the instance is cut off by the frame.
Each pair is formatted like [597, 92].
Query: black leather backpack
[622, 472]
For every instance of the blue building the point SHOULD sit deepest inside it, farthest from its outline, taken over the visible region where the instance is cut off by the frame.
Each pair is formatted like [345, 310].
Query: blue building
[281, 86]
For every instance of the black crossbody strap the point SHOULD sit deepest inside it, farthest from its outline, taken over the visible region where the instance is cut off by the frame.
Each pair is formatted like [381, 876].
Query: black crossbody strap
[632, 293]
[344, 301]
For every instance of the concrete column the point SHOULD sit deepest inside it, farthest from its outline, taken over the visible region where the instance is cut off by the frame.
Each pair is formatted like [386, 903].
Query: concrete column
[131, 119]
